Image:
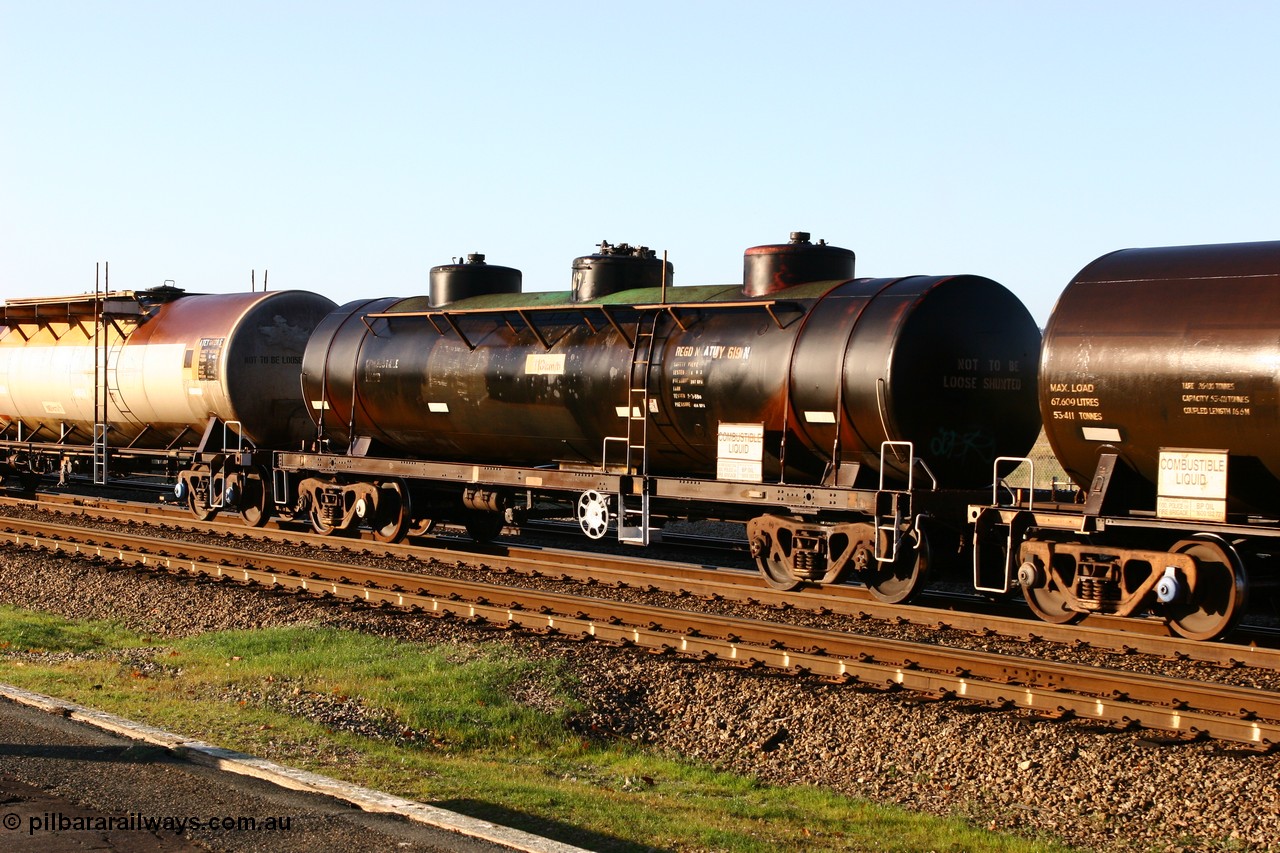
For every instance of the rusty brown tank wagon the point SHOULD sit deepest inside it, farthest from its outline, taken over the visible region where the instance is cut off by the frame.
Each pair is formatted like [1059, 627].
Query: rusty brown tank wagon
[1158, 390]
[843, 418]
[137, 377]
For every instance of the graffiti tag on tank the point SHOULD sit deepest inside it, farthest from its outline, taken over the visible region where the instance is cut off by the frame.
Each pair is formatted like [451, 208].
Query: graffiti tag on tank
[283, 335]
[963, 447]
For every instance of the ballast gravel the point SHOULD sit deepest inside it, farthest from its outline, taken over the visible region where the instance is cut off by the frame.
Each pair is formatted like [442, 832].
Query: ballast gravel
[1093, 787]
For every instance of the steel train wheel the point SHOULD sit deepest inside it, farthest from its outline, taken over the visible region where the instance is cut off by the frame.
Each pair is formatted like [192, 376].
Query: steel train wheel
[318, 522]
[255, 503]
[900, 580]
[1049, 601]
[393, 512]
[1216, 604]
[199, 506]
[777, 574]
[773, 559]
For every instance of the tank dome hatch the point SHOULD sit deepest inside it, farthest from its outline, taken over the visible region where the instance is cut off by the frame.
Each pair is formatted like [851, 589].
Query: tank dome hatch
[472, 277]
[768, 269]
[617, 268]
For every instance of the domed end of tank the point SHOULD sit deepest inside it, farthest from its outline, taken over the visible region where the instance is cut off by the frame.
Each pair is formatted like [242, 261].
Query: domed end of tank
[962, 380]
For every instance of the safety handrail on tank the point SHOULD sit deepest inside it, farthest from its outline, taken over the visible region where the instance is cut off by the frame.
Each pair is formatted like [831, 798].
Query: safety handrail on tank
[364, 318]
[615, 324]
[580, 307]
[912, 461]
[933, 480]
[997, 481]
[896, 519]
[41, 310]
[672, 309]
[234, 427]
[456, 329]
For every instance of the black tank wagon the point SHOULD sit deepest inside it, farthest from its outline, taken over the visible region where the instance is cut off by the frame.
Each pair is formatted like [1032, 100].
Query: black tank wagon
[846, 420]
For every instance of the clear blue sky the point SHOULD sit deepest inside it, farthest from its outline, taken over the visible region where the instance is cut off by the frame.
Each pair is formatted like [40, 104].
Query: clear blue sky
[349, 147]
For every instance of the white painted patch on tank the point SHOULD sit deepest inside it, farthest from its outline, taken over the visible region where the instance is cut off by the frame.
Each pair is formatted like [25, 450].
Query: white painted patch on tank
[1101, 434]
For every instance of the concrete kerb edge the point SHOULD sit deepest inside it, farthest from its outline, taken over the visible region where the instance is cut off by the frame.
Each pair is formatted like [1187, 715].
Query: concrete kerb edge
[366, 799]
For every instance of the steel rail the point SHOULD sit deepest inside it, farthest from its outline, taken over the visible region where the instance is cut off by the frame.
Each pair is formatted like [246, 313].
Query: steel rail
[1188, 708]
[1123, 636]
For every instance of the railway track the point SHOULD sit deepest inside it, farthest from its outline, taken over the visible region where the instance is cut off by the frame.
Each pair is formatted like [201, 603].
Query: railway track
[1186, 708]
[938, 612]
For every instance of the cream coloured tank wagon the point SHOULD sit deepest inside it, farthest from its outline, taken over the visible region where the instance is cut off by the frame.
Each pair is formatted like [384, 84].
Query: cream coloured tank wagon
[140, 376]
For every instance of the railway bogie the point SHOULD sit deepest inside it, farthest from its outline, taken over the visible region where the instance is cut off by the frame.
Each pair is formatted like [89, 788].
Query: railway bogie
[1196, 581]
[343, 506]
[228, 478]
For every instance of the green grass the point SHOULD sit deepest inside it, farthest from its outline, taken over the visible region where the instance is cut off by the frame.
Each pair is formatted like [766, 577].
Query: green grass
[22, 630]
[459, 696]
[448, 729]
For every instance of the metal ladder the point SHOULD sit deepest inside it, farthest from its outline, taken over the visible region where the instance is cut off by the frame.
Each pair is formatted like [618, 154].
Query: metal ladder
[101, 405]
[100, 454]
[218, 498]
[889, 515]
[1013, 535]
[638, 435]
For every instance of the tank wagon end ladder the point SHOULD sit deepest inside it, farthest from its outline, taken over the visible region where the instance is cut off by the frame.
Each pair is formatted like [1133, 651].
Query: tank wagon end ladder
[637, 456]
[893, 506]
[101, 382]
[100, 431]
